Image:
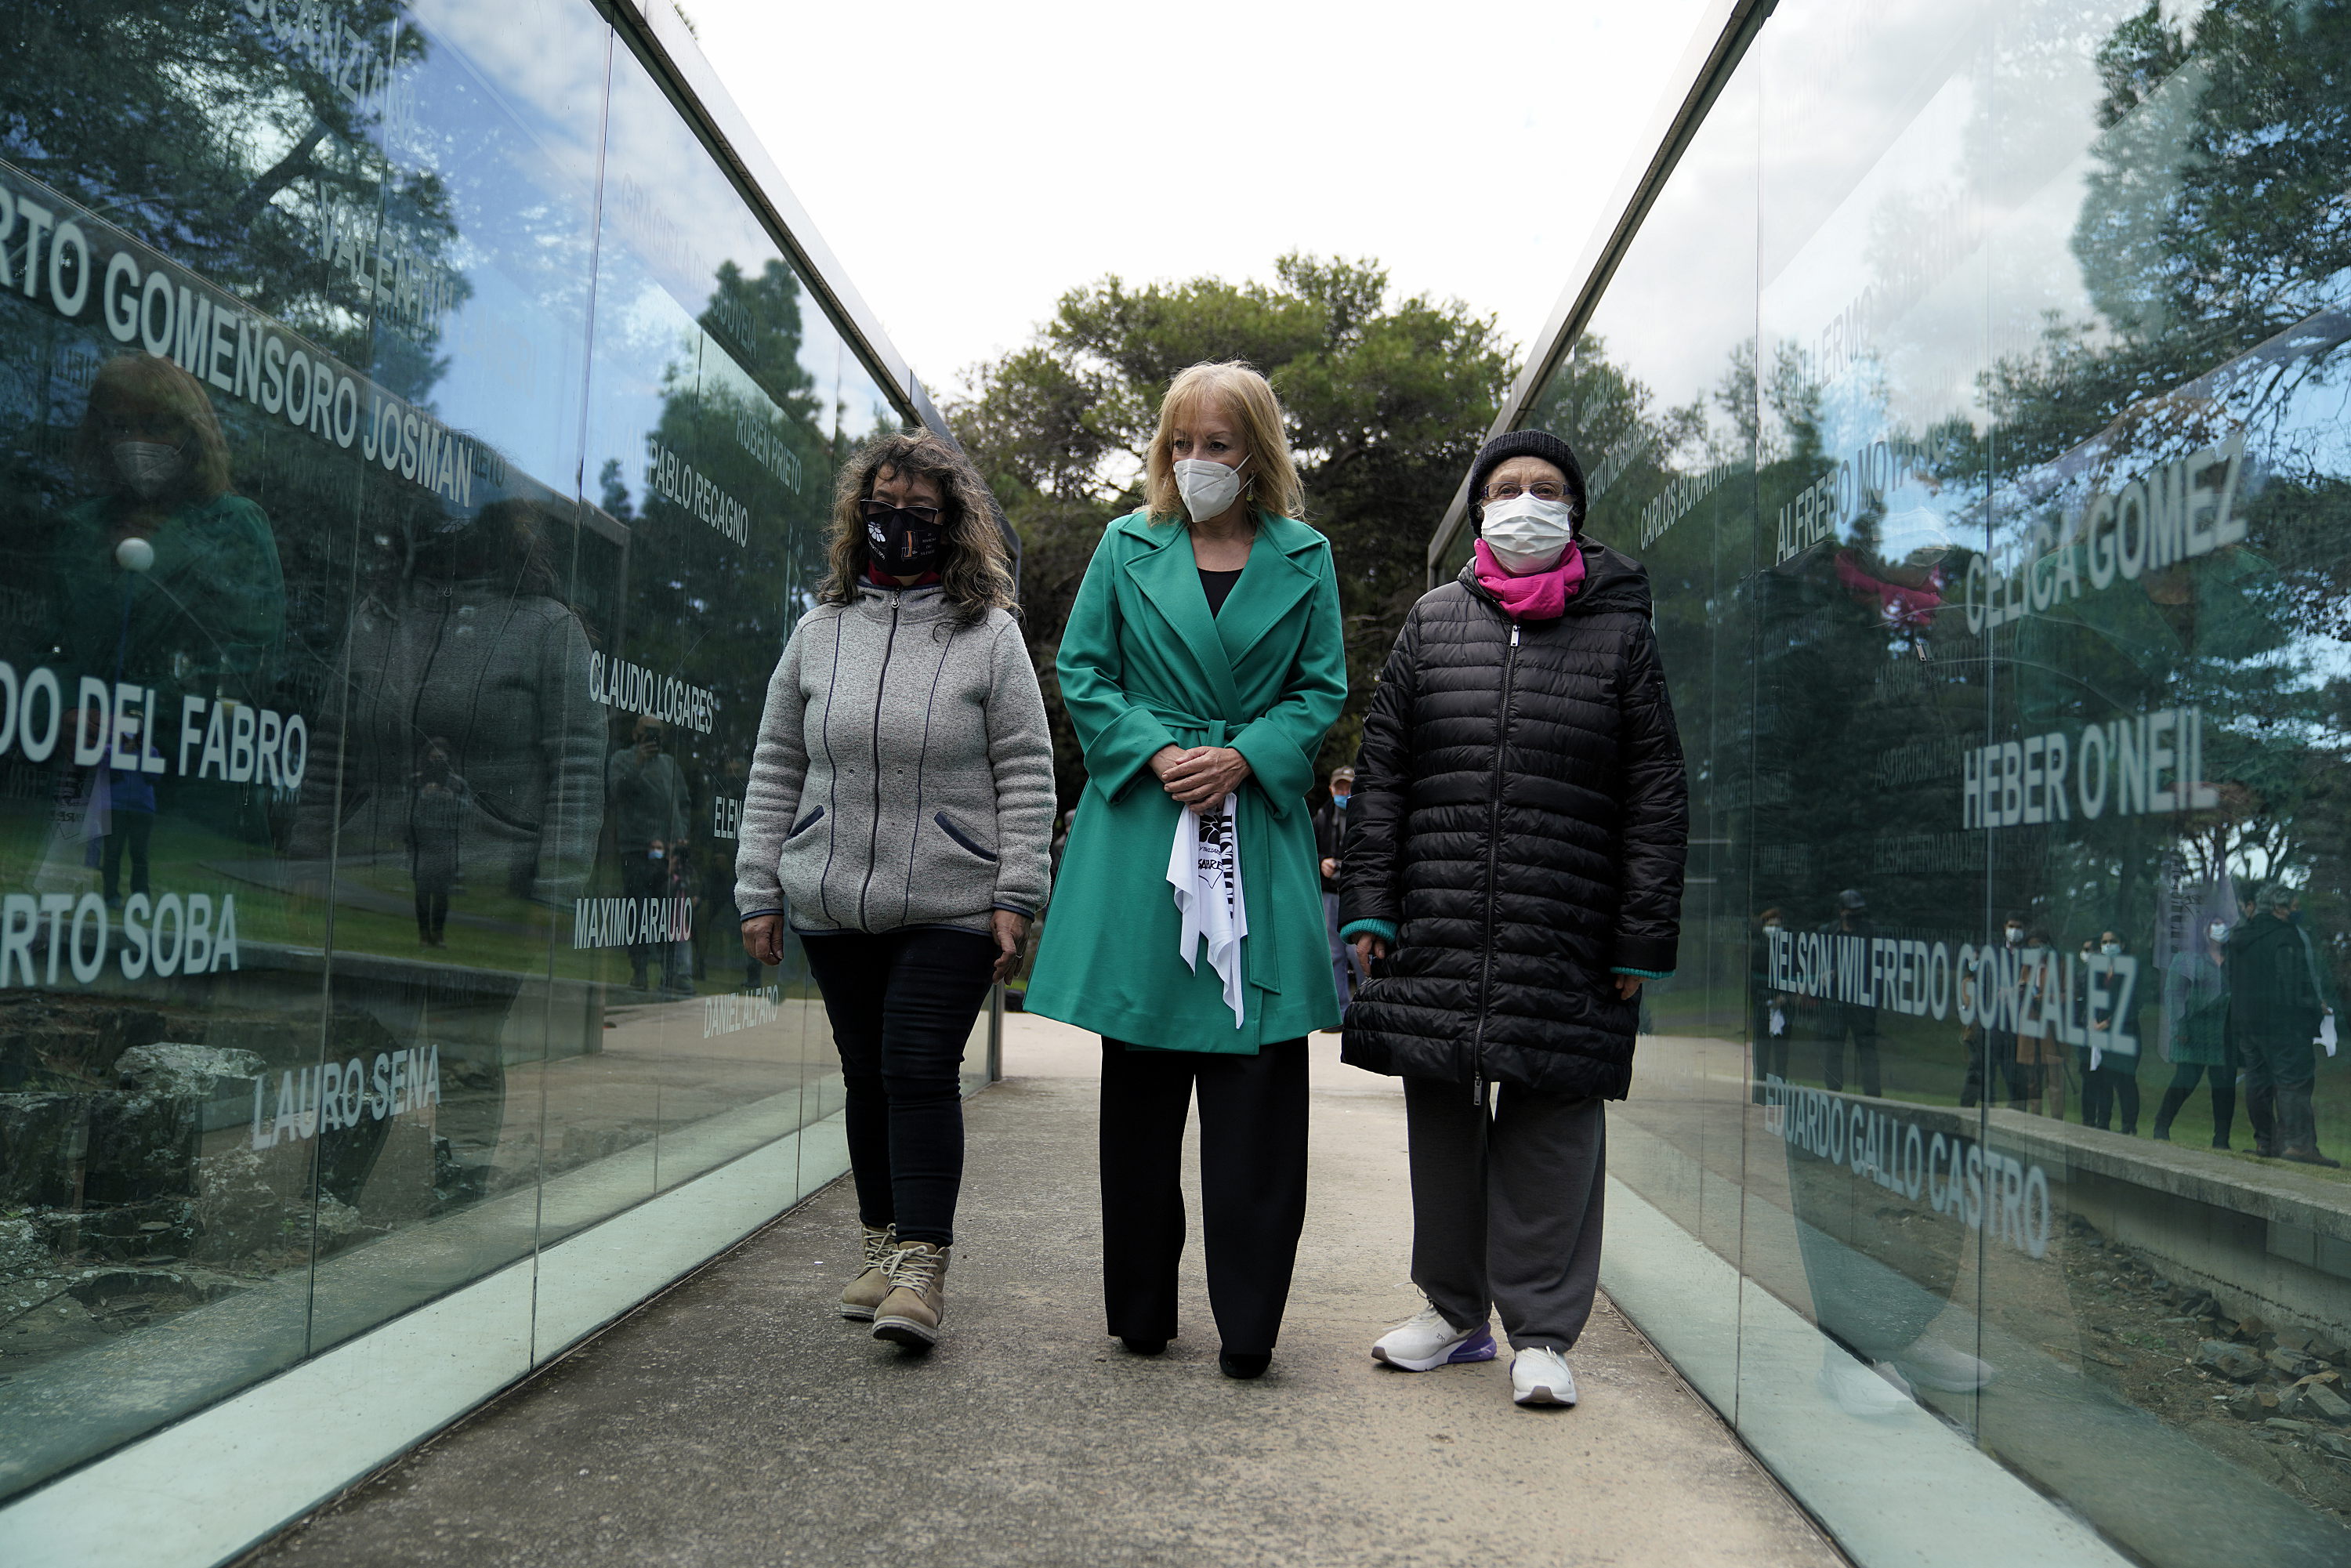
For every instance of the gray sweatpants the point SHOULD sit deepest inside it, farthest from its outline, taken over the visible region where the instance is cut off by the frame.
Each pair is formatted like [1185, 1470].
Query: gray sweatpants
[1506, 1206]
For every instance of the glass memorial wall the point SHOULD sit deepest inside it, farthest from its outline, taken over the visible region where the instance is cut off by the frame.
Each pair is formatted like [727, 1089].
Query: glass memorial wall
[1975, 393]
[416, 451]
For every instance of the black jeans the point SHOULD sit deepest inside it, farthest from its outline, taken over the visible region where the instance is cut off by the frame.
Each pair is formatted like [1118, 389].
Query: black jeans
[641, 876]
[132, 829]
[1252, 1186]
[2110, 1090]
[1861, 1023]
[902, 1005]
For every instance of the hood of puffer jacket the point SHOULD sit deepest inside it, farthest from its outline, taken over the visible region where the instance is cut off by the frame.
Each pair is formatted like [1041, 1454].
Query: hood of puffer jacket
[1612, 581]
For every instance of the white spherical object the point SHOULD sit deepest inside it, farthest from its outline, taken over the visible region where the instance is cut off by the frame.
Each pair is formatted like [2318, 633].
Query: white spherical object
[134, 555]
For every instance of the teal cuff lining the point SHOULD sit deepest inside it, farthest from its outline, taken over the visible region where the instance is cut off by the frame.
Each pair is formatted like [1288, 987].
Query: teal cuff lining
[1383, 929]
[1641, 974]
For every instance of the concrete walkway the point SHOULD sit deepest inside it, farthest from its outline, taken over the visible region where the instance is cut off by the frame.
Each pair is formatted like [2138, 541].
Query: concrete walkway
[736, 1424]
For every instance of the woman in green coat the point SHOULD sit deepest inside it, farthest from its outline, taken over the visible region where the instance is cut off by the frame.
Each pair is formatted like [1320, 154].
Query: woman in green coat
[1202, 664]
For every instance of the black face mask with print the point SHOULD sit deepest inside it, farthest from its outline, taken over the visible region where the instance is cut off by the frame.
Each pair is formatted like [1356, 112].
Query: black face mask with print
[903, 541]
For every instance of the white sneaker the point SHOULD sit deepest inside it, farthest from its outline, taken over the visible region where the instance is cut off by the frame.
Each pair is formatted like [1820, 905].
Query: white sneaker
[1426, 1341]
[1539, 1376]
[1873, 1391]
[1940, 1366]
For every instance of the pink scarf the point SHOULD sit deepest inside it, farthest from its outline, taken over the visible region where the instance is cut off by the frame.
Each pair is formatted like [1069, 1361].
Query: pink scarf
[1537, 596]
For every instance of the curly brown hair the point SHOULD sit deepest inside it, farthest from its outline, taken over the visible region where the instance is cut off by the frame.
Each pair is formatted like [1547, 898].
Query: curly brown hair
[975, 573]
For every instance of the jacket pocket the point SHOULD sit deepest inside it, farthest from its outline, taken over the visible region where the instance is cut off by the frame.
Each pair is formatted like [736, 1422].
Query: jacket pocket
[804, 824]
[959, 836]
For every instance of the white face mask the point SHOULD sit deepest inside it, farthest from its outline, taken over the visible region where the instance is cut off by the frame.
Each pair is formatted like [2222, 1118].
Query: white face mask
[1527, 533]
[2110, 949]
[147, 466]
[2015, 935]
[2218, 930]
[1207, 487]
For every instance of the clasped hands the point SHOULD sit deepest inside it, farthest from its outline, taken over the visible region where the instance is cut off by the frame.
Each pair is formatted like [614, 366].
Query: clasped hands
[1200, 777]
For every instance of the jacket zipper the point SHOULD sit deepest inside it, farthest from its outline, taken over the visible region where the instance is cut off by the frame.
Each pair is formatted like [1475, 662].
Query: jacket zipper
[1493, 873]
[873, 835]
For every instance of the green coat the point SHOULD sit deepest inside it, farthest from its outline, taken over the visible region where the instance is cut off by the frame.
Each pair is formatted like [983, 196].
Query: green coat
[1143, 665]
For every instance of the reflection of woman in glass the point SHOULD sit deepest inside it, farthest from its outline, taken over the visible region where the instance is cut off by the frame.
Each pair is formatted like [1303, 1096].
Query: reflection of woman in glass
[2196, 1022]
[2109, 1089]
[436, 812]
[169, 575]
[1769, 1013]
[473, 652]
[2039, 1040]
[469, 659]
[166, 579]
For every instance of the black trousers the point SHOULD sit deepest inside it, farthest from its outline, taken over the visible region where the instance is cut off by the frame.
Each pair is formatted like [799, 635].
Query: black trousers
[902, 1005]
[1992, 1063]
[641, 876]
[2109, 1090]
[132, 829]
[1861, 1023]
[1252, 1186]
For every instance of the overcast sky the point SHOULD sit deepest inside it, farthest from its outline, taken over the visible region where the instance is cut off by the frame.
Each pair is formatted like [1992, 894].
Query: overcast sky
[969, 163]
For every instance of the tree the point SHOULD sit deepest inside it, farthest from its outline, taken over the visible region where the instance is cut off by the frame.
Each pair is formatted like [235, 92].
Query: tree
[1387, 401]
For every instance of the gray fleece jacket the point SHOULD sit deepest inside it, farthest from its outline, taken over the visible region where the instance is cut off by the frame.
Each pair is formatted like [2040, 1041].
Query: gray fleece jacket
[903, 775]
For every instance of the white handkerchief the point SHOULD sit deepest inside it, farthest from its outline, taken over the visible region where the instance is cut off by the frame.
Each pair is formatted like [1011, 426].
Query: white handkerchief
[1204, 866]
[2327, 1034]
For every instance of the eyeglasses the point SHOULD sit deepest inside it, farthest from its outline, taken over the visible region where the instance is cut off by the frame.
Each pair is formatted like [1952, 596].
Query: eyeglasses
[1541, 490]
[875, 511]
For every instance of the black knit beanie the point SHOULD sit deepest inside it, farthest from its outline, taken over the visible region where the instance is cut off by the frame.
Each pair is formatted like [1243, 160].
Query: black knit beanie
[1526, 443]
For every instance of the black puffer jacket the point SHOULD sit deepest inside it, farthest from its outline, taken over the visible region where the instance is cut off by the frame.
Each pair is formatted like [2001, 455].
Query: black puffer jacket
[1520, 814]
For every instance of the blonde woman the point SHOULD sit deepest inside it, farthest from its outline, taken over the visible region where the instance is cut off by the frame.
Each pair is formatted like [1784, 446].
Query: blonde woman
[1202, 664]
[896, 819]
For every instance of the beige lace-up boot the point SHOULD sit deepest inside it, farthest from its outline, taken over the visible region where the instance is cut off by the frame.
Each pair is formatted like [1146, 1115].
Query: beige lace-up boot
[865, 1292]
[910, 1314]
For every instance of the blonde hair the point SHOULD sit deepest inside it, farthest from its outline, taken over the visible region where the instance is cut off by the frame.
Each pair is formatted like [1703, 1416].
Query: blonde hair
[976, 570]
[152, 385]
[1270, 483]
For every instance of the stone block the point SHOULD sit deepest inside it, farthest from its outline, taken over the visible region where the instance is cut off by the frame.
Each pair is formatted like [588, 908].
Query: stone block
[44, 1139]
[2238, 1362]
[2322, 1401]
[2290, 1364]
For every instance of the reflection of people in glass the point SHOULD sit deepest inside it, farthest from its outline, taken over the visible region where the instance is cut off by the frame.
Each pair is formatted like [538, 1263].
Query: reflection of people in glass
[1986, 992]
[650, 804]
[436, 815]
[2276, 1005]
[1329, 833]
[167, 579]
[169, 575]
[2196, 1021]
[2109, 1086]
[2040, 1039]
[1771, 1014]
[1840, 1018]
[469, 658]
